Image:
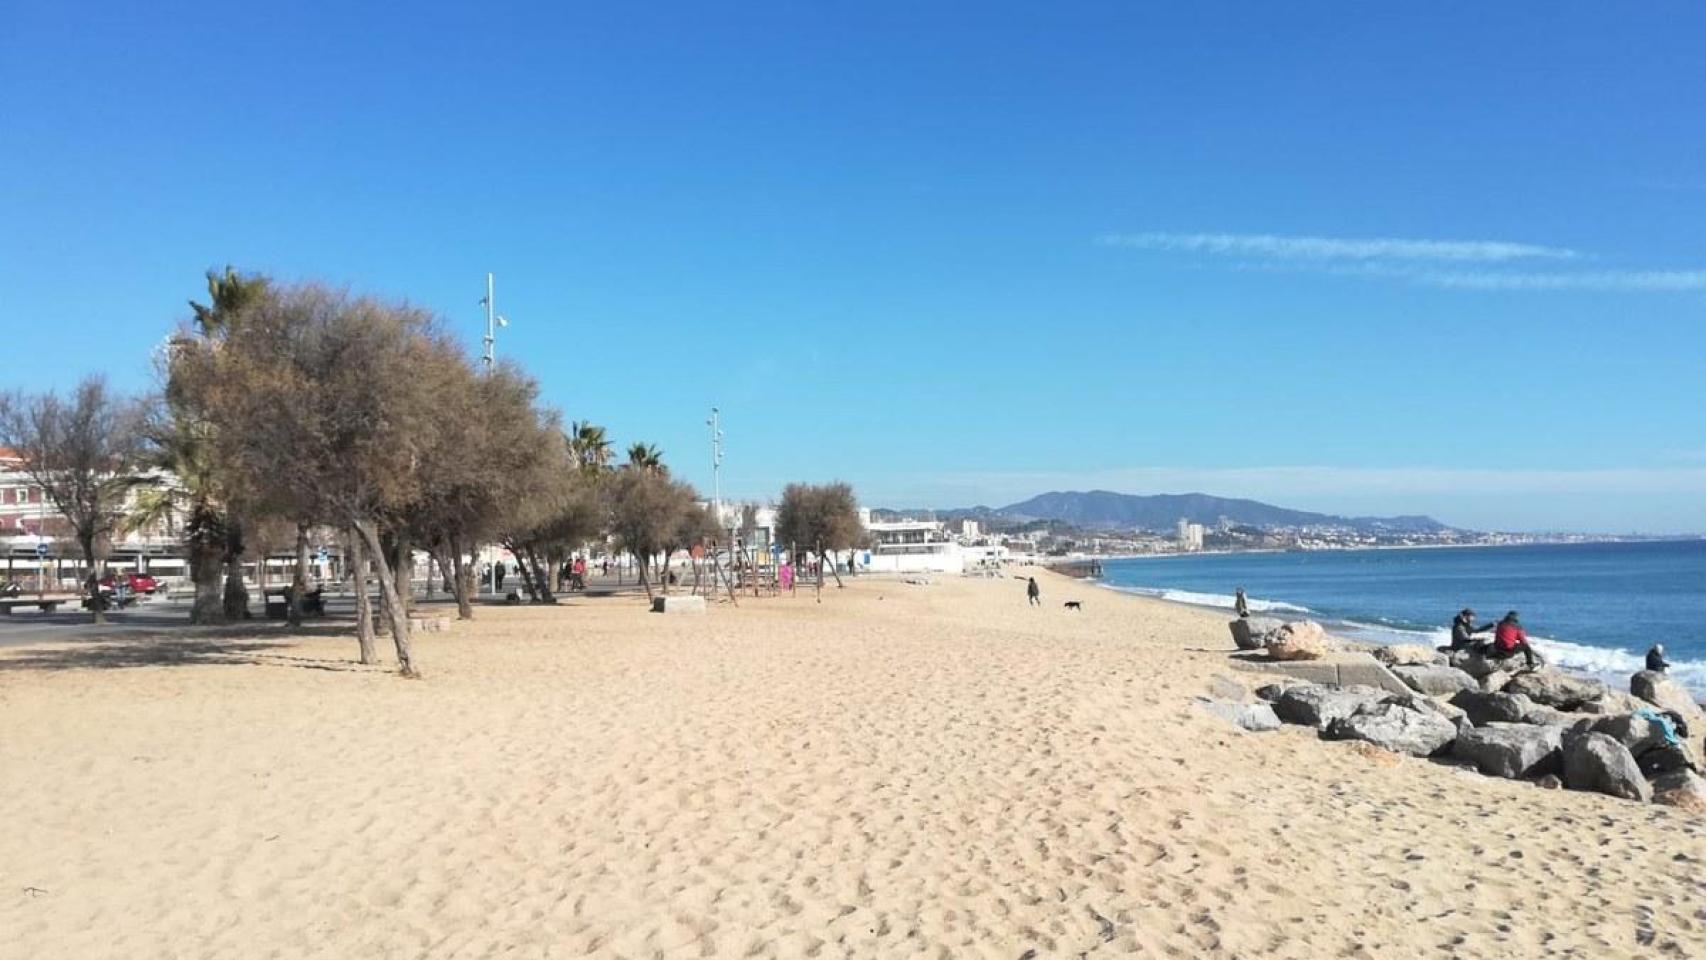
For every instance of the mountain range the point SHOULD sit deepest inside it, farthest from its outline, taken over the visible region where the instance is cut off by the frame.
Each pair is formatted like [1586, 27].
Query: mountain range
[1161, 512]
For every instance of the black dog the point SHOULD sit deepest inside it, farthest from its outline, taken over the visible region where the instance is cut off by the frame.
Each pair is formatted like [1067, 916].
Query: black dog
[1073, 605]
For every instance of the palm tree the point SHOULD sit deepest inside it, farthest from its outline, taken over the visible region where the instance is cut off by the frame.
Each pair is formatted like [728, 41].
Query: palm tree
[589, 446]
[183, 483]
[646, 457]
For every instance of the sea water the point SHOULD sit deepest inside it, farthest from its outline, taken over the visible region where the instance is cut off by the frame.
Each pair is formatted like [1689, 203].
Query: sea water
[1590, 607]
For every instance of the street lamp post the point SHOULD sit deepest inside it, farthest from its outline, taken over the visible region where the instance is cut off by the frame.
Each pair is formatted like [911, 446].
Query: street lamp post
[716, 464]
[494, 320]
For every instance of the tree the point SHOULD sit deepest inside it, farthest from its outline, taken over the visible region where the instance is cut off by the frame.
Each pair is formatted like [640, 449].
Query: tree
[646, 457]
[324, 405]
[187, 442]
[646, 513]
[589, 446]
[182, 481]
[83, 451]
[823, 518]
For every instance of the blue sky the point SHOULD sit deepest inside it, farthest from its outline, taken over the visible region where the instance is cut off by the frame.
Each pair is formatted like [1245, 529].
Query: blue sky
[1445, 258]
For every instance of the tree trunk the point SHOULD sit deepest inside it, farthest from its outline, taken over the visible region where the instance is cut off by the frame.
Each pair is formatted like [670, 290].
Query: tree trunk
[388, 593]
[460, 581]
[521, 569]
[205, 571]
[236, 599]
[92, 581]
[299, 579]
[663, 578]
[833, 569]
[363, 607]
[640, 565]
[541, 577]
[403, 573]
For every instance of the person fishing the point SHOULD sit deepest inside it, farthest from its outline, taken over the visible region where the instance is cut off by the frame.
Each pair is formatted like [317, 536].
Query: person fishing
[1463, 630]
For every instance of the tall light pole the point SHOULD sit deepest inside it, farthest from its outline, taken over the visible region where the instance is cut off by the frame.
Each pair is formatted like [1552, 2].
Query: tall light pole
[493, 322]
[716, 464]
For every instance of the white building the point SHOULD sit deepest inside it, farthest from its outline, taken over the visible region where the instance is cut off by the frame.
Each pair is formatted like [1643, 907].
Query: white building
[913, 546]
[1190, 535]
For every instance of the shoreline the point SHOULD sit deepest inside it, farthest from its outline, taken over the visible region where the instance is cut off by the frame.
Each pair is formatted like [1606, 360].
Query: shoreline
[1554, 651]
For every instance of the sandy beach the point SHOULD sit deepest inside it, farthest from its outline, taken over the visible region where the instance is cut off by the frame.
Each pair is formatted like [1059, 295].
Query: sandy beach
[900, 771]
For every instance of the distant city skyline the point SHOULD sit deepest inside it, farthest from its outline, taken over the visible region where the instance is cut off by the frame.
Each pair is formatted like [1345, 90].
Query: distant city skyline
[1446, 260]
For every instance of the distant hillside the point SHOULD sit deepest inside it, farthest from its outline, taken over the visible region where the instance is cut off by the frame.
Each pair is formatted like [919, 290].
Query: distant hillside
[1161, 512]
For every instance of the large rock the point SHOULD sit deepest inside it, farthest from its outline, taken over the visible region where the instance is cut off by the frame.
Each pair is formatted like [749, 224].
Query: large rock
[1668, 758]
[1637, 734]
[1613, 702]
[1666, 694]
[1683, 789]
[1251, 633]
[1434, 680]
[1476, 665]
[1396, 727]
[1594, 761]
[1408, 654]
[1313, 705]
[1485, 708]
[1255, 717]
[1555, 689]
[1546, 716]
[1511, 750]
[1298, 640]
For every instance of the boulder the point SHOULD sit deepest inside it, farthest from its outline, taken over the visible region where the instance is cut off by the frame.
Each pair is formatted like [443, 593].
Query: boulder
[1511, 750]
[1395, 727]
[1667, 758]
[1637, 734]
[1248, 634]
[1666, 694]
[1494, 682]
[1683, 789]
[1271, 691]
[1434, 680]
[1313, 705]
[1548, 716]
[1408, 654]
[1298, 640]
[1613, 701]
[1555, 689]
[1254, 717]
[1485, 708]
[1301, 649]
[1594, 761]
[1475, 665]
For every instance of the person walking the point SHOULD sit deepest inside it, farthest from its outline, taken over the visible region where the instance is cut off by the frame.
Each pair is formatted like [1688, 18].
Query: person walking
[1033, 593]
[498, 577]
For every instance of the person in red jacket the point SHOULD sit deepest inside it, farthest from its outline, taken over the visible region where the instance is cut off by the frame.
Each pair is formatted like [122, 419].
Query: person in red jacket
[1509, 640]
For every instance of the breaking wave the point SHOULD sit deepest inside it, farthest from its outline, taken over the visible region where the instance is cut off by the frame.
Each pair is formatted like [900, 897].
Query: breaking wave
[1223, 601]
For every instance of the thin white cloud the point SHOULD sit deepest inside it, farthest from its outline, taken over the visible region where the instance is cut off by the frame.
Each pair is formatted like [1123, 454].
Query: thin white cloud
[1339, 248]
[1638, 281]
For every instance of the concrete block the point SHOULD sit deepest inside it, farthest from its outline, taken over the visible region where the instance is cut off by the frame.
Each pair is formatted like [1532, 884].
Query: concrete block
[684, 604]
[1342, 669]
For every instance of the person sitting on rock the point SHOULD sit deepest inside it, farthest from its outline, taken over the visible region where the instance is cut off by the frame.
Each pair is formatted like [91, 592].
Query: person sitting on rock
[1463, 630]
[1509, 639]
[1656, 661]
[1241, 603]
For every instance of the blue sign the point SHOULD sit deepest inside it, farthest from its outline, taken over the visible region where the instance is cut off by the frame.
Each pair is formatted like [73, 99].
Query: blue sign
[41, 550]
[775, 549]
